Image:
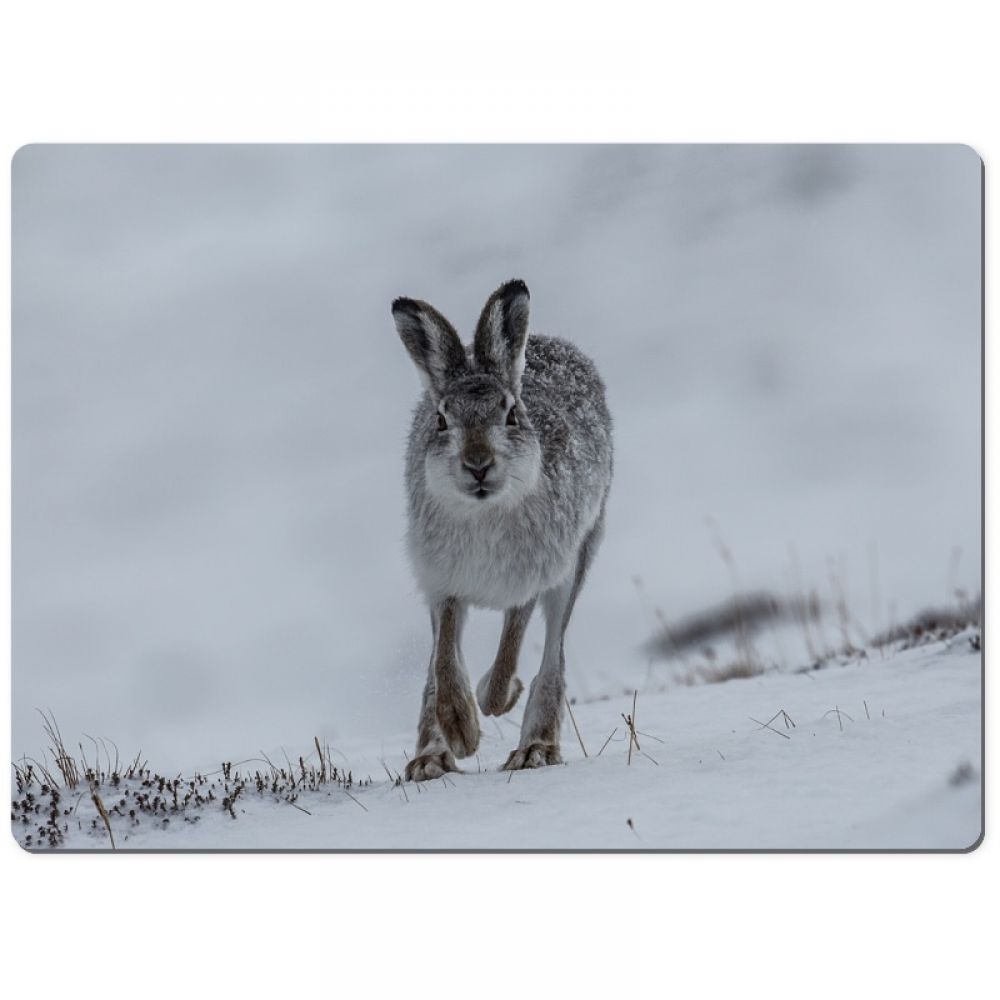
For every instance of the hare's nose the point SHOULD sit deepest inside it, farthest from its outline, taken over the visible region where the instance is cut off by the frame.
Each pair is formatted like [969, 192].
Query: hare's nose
[478, 465]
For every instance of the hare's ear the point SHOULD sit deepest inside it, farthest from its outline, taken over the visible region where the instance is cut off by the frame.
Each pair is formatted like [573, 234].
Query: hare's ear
[502, 333]
[432, 342]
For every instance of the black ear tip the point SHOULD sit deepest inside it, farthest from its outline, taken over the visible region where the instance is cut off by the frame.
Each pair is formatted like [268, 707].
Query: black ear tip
[404, 305]
[514, 288]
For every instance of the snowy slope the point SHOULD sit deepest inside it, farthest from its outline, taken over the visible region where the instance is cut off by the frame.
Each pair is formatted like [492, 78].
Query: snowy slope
[879, 752]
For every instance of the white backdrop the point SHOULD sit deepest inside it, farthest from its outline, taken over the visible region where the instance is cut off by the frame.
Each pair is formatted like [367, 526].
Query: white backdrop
[236, 71]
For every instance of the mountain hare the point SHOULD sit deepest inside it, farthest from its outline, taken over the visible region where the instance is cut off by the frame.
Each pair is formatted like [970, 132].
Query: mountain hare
[508, 468]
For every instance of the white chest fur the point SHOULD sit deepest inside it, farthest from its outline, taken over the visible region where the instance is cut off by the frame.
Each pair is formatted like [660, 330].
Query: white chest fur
[498, 558]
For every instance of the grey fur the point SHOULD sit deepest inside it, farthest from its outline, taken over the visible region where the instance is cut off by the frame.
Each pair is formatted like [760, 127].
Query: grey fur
[508, 468]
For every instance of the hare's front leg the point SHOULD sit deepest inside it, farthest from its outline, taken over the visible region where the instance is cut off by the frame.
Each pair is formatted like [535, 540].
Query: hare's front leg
[449, 726]
[539, 743]
[499, 688]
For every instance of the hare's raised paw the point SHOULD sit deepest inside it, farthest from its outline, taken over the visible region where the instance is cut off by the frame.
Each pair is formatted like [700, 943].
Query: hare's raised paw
[430, 765]
[494, 701]
[459, 725]
[534, 755]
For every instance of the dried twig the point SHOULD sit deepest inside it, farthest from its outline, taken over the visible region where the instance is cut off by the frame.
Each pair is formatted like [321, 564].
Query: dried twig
[633, 738]
[353, 799]
[322, 760]
[104, 815]
[575, 728]
[64, 762]
[836, 710]
[767, 725]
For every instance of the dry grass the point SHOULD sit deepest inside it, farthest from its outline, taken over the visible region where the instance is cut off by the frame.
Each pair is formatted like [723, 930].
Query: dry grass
[934, 624]
[740, 616]
[724, 634]
[710, 673]
[126, 797]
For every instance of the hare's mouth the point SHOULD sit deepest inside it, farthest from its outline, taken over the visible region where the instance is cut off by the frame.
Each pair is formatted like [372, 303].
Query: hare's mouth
[480, 491]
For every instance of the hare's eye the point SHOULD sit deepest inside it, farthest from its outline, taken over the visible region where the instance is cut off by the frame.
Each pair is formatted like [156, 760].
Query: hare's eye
[512, 417]
[442, 423]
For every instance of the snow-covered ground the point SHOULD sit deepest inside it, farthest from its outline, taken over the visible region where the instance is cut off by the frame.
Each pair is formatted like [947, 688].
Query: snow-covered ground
[882, 751]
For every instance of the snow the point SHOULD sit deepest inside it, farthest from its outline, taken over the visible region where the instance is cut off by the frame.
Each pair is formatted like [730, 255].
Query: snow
[210, 407]
[878, 752]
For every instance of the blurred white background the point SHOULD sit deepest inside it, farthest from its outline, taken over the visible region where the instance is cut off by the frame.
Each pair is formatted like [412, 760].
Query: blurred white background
[210, 406]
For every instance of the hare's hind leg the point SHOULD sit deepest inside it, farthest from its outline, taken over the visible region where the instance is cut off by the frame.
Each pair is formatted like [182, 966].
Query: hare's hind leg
[449, 726]
[539, 743]
[499, 688]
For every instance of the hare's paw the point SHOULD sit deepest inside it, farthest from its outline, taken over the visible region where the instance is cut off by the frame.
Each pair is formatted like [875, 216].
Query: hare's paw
[459, 724]
[533, 755]
[430, 765]
[497, 699]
